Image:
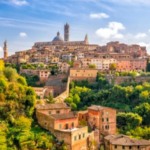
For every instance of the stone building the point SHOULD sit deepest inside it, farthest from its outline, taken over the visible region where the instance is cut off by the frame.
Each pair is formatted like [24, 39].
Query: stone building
[43, 74]
[67, 125]
[123, 142]
[131, 65]
[59, 120]
[127, 57]
[83, 74]
[58, 43]
[103, 119]
[115, 47]
[64, 67]
[43, 92]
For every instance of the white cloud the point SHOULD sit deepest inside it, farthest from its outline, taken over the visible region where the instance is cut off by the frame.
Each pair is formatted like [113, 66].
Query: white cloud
[143, 44]
[132, 2]
[147, 45]
[141, 35]
[111, 31]
[22, 34]
[98, 15]
[116, 26]
[19, 2]
[1, 49]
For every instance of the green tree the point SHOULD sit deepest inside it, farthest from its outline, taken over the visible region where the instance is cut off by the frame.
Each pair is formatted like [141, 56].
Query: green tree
[113, 67]
[1, 65]
[76, 99]
[144, 111]
[73, 106]
[92, 66]
[3, 136]
[21, 80]
[144, 95]
[23, 123]
[10, 74]
[148, 66]
[50, 98]
[128, 120]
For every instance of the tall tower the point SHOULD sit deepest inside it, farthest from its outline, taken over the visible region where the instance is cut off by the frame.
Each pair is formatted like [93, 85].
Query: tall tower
[66, 32]
[86, 40]
[5, 49]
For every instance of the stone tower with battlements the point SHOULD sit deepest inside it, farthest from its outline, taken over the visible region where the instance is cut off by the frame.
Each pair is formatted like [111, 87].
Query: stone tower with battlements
[5, 49]
[66, 32]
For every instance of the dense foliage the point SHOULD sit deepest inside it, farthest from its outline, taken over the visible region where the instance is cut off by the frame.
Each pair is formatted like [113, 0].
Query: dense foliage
[132, 101]
[32, 80]
[18, 128]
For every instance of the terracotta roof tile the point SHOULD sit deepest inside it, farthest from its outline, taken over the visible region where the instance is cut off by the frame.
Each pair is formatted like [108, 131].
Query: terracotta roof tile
[64, 116]
[96, 107]
[51, 106]
[125, 140]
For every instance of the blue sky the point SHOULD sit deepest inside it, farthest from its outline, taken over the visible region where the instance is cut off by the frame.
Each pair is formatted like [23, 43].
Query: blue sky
[23, 22]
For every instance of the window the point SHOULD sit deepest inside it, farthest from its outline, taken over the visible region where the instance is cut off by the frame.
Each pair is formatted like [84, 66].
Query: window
[102, 119]
[57, 111]
[59, 126]
[83, 135]
[115, 146]
[66, 126]
[107, 127]
[75, 138]
[123, 147]
[130, 147]
[79, 136]
[107, 119]
[72, 125]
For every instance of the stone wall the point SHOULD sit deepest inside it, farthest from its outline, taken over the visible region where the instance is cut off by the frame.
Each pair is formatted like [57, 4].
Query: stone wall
[119, 80]
[57, 84]
[75, 139]
[83, 74]
[60, 98]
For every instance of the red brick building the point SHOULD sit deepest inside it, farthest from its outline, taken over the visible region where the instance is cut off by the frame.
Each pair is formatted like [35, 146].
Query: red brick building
[66, 125]
[131, 65]
[102, 118]
[59, 120]
[120, 142]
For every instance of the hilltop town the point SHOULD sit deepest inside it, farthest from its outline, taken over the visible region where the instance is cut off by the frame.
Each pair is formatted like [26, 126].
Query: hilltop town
[59, 62]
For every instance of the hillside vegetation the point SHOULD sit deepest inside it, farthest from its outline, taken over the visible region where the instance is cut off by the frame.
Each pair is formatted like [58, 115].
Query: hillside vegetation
[18, 127]
[132, 101]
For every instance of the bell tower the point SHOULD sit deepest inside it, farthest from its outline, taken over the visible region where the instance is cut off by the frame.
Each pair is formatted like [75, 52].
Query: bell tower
[66, 32]
[86, 39]
[5, 49]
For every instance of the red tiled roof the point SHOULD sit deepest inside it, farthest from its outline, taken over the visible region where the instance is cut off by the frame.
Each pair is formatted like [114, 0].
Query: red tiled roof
[125, 140]
[64, 116]
[97, 107]
[52, 106]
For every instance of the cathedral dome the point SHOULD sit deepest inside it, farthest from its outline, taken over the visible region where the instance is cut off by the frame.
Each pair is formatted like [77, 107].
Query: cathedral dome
[58, 38]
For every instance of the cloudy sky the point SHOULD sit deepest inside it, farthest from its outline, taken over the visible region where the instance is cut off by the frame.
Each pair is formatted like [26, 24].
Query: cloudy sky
[23, 22]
